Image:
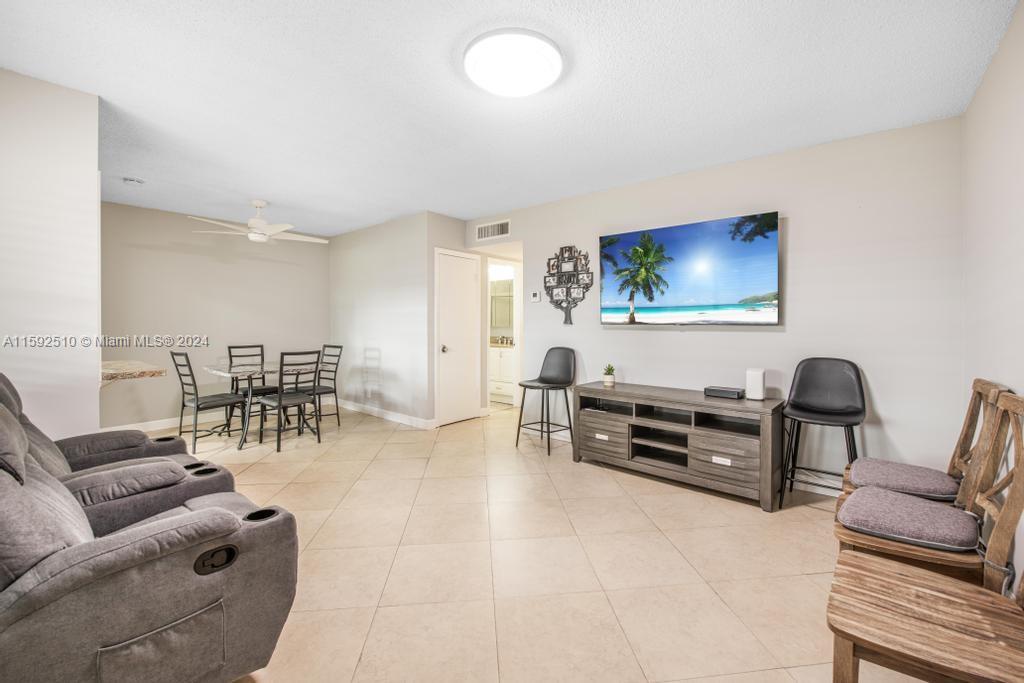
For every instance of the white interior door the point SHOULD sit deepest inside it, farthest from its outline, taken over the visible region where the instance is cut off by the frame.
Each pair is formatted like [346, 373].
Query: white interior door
[458, 338]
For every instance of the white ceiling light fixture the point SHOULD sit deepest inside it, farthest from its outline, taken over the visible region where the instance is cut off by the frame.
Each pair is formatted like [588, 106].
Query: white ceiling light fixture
[513, 62]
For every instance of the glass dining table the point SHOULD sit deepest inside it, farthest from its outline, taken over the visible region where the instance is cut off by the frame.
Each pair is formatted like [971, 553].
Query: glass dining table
[248, 372]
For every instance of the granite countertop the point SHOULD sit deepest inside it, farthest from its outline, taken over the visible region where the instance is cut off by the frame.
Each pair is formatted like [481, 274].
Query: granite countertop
[115, 370]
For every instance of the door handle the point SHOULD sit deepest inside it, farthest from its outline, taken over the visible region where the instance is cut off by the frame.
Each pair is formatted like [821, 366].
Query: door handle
[444, 349]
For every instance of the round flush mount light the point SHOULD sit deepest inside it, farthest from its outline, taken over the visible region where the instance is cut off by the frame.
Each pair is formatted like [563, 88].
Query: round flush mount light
[513, 62]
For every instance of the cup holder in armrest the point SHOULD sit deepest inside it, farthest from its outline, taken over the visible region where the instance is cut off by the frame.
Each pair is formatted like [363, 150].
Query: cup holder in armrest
[260, 515]
[164, 439]
[205, 471]
[195, 465]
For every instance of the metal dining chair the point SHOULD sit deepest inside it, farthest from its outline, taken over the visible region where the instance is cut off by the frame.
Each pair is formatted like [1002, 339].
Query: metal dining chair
[297, 378]
[191, 398]
[327, 384]
[249, 354]
[827, 392]
[558, 372]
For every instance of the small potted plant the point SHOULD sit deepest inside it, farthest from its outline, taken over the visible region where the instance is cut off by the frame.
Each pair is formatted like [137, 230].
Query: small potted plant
[609, 375]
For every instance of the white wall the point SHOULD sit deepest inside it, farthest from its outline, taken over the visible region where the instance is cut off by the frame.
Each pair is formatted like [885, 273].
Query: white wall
[993, 138]
[871, 271]
[50, 248]
[378, 310]
[159, 277]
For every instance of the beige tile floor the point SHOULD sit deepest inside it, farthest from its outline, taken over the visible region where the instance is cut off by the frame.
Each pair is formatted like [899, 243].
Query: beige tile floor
[452, 555]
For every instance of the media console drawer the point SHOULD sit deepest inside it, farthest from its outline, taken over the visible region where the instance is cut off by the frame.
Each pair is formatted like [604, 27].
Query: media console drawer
[733, 446]
[737, 470]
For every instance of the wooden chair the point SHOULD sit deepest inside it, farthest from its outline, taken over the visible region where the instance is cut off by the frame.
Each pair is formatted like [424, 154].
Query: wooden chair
[980, 463]
[935, 627]
[971, 442]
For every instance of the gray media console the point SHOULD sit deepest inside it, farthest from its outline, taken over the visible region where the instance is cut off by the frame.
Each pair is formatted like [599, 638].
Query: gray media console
[733, 446]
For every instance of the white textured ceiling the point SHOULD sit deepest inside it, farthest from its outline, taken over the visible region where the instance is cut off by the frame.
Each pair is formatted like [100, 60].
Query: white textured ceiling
[344, 114]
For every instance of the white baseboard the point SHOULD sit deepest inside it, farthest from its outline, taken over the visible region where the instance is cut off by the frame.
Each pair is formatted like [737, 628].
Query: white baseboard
[401, 418]
[167, 423]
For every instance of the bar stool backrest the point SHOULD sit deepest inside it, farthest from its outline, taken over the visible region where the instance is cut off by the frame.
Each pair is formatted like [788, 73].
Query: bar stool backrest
[330, 359]
[828, 385]
[559, 366]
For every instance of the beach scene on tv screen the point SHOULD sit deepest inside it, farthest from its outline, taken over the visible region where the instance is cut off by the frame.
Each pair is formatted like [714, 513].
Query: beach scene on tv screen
[723, 271]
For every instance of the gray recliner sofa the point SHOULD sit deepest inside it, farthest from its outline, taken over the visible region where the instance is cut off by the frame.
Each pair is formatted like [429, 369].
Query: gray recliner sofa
[199, 592]
[118, 477]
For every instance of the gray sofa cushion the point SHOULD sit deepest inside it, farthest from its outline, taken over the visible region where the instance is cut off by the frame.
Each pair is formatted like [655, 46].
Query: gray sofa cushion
[40, 447]
[122, 479]
[897, 476]
[13, 445]
[908, 519]
[37, 519]
[102, 442]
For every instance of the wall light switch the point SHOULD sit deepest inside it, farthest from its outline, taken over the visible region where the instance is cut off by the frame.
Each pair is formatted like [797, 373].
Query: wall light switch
[535, 297]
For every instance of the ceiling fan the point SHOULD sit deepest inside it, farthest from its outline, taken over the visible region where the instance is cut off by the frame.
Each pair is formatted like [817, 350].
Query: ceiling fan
[258, 230]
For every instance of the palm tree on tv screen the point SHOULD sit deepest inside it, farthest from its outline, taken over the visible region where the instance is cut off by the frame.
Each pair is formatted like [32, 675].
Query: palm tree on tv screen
[642, 272]
[607, 255]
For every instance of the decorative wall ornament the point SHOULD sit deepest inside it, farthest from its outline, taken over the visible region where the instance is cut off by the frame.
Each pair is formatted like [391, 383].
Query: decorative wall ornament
[568, 279]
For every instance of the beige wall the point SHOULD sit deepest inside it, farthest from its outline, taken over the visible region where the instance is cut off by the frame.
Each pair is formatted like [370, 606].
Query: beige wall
[378, 308]
[871, 269]
[993, 229]
[161, 278]
[50, 248]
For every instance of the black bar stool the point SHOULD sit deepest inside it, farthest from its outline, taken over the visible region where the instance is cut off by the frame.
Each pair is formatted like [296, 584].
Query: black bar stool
[557, 372]
[827, 392]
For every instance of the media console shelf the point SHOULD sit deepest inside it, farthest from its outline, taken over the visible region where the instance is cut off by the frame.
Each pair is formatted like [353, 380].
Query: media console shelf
[717, 443]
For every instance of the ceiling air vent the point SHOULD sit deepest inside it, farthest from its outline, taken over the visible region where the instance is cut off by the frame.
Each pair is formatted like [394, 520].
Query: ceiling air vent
[493, 230]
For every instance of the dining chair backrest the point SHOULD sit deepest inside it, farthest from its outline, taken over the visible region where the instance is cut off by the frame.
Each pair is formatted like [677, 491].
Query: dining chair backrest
[1003, 501]
[245, 354]
[828, 385]
[559, 366]
[972, 447]
[185, 375]
[299, 371]
[330, 359]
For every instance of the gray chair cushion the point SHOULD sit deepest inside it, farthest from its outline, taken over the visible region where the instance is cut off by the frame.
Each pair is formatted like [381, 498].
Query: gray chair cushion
[214, 400]
[122, 479]
[41, 448]
[102, 442]
[897, 476]
[37, 519]
[908, 519]
[13, 445]
[292, 398]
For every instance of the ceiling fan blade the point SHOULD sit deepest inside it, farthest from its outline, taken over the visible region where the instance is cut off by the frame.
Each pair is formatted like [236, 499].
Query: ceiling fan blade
[219, 232]
[274, 228]
[297, 238]
[239, 228]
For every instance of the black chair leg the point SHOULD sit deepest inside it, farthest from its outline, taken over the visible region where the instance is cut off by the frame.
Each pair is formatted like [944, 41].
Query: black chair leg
[181, 418]
[851, 444]
[280, 423]
[263, 418]
[786, 450]
[797, 429]
[316, 419]
[195, 428]
[568, 414]
[300, 415]
[522, 407]
[337, 408]
[547, 418]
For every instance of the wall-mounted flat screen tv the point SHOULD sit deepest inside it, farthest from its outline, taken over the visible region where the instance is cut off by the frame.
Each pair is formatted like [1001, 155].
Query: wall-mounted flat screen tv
[720, 272]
